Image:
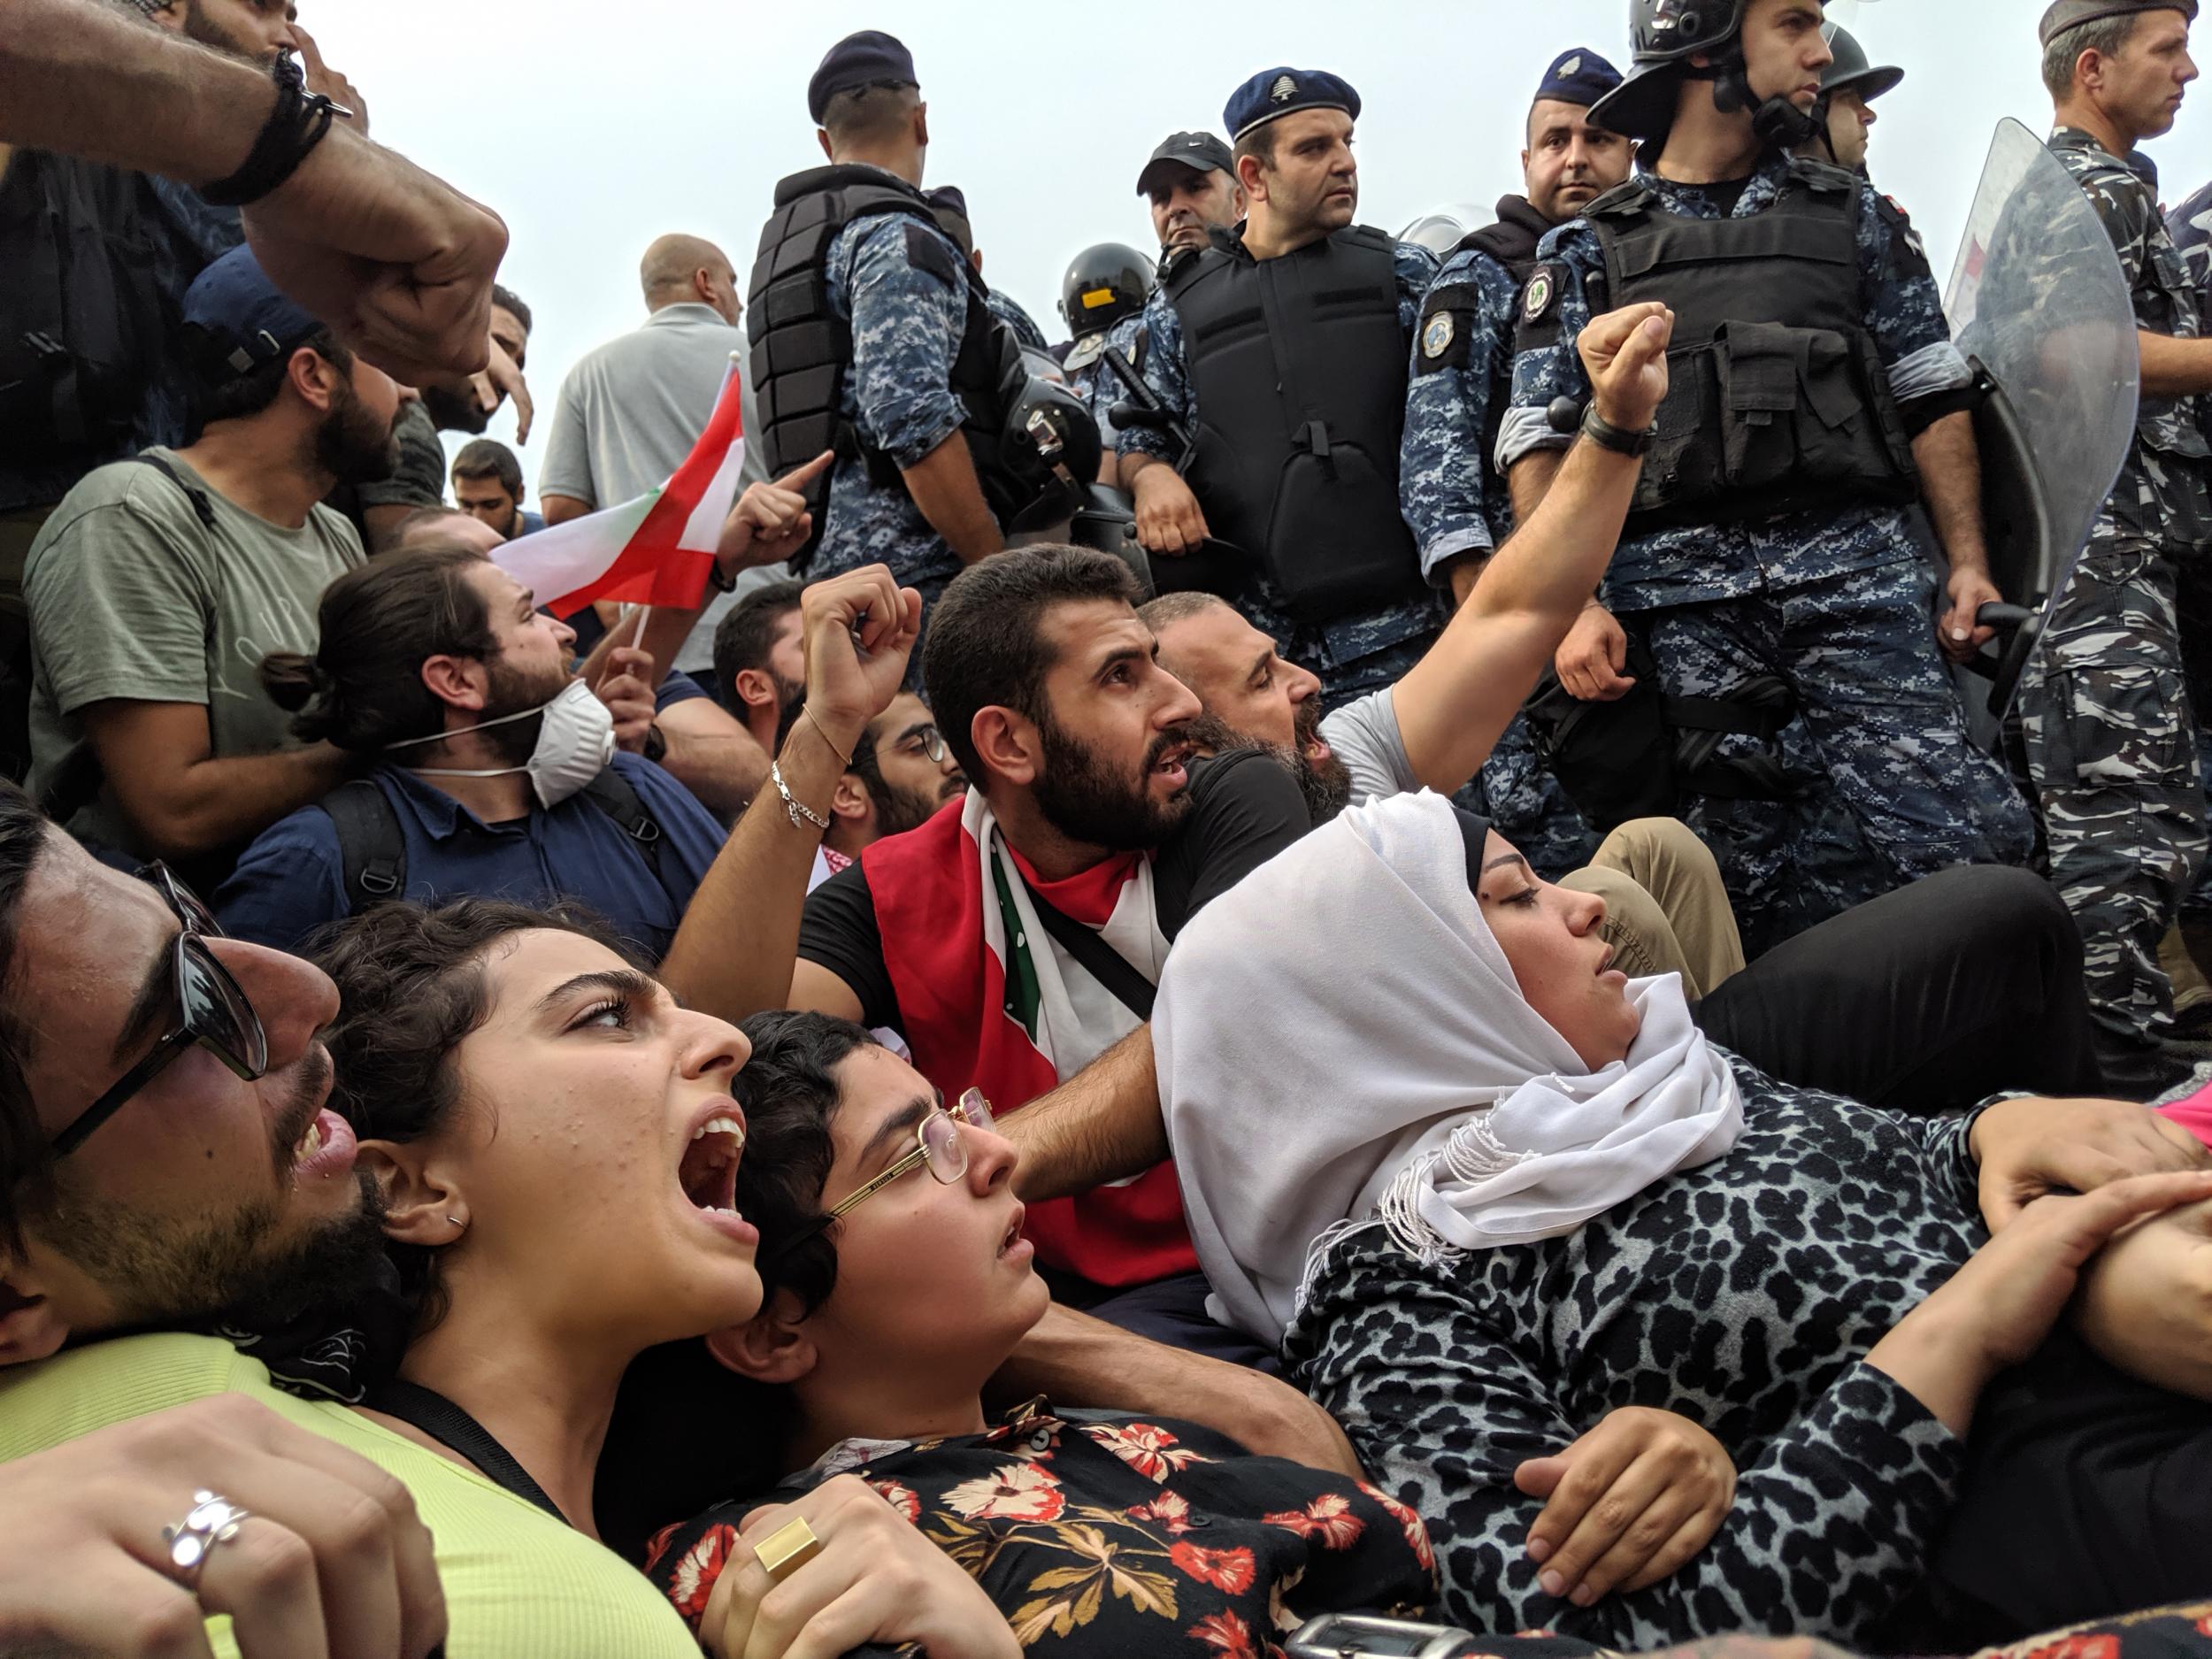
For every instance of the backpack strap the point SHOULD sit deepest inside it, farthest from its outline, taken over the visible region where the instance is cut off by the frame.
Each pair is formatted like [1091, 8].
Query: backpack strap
[1100, 959]
[371, 848]
[201, 505]
[614, 794]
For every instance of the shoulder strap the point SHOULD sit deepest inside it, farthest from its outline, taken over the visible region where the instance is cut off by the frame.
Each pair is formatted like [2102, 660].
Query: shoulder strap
[371, 848]
[456, 1429]
[201, 505]
[613, 793]
[1098, 959]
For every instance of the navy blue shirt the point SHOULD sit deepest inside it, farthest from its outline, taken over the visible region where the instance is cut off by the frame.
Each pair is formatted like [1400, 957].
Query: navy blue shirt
[292, 879]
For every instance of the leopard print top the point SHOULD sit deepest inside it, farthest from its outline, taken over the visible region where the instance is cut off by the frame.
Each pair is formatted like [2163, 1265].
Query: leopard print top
[1742, 1294]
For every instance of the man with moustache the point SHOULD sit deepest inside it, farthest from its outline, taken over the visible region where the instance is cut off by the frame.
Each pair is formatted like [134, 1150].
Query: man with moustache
[1299, 422]
[2111, 740]
[159, 582]
[1454, 497]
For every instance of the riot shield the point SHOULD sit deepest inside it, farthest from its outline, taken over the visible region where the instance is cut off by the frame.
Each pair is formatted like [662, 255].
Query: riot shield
[2039, 307]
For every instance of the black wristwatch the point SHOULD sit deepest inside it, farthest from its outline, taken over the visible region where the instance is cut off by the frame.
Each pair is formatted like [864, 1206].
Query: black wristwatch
[1606, 435]
[656, 743]
[716, 579]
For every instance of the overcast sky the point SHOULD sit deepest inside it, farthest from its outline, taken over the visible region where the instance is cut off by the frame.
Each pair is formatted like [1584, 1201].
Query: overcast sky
[594, 127]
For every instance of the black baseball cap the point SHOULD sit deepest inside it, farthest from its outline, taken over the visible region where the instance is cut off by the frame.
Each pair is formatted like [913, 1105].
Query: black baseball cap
[1197, 152]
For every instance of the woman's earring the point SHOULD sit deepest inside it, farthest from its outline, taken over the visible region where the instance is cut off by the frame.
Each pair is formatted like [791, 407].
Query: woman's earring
[457, 1222]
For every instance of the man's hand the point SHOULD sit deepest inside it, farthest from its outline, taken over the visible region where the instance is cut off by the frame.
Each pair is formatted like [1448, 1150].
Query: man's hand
[859, 630]
[770, 522]
[1626, 355]
[626, 687]
[501, 379]
[397, 263]
[876, 1579]
[332, 1561]
[1591, 658]
[1267, 1416]
[1168, 518]
[321, 78]
[2029, 1147]
[2145, 1302]
[1969, 590]
[1628, 1504]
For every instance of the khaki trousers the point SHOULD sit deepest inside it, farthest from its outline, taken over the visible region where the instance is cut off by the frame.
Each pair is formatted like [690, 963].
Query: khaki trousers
[1665, 909]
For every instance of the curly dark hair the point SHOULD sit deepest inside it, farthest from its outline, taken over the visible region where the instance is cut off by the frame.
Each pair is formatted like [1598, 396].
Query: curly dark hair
[411, 989]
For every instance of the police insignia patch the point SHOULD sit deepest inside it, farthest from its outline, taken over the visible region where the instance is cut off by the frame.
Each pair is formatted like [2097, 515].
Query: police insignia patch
[1284, 90]
[1436, 336]
[1536, 302]
[1572, 66]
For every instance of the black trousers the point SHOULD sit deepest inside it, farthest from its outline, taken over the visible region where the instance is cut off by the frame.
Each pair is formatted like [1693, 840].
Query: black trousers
[1926, 999]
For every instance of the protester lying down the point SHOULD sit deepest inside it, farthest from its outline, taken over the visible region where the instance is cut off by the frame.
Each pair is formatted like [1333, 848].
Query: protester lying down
[1491, 1193]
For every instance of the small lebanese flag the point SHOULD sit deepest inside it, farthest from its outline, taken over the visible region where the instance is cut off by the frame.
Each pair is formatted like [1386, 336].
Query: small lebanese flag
[654, 550]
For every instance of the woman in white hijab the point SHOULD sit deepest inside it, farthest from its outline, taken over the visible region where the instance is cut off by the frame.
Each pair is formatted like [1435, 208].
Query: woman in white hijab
[1489, 1191]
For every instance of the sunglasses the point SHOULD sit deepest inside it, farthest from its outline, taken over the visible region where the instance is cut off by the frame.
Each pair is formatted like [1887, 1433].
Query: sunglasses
[213, 1013]
[938, 1144]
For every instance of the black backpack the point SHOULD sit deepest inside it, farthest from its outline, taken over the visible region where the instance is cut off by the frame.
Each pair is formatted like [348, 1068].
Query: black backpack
[82, 317]
[374, 852]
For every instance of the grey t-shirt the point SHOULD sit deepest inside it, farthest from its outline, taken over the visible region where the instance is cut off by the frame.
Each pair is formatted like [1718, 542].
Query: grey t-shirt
[629, 415]
[132, 597]
[1366, 737]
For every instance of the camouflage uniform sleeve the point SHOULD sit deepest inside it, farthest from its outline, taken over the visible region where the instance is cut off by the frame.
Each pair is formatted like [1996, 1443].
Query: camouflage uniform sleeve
[1416, 267]
[1164, 375]
[908, 311]
[1904, 306]
[2127, 207]
[2191, 227]
[1106, 389]
[1545, 364]
[1461, 350]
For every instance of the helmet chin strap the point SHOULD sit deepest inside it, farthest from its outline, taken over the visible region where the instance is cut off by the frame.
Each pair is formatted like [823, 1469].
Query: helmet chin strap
[1774, 120]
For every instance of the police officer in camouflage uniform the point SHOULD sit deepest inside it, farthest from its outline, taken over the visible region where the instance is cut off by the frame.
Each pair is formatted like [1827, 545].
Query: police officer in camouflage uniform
[1816, 393]
[2111, 740]
[1453, 497]
[865, 278]
[1298, 421]
[1106, 288]
[2191, 227]
[1850, 86]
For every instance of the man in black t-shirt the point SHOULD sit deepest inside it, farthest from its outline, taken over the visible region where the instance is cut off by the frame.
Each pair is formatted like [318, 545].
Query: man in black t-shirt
[1013, 941]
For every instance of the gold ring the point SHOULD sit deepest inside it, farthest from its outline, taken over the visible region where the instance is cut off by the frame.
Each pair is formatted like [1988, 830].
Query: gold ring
[787, 1549]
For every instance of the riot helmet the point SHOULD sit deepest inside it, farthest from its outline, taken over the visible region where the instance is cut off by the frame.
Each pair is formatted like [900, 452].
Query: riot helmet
[1050, 442]
[1103, 285]
[1442, 229]
[1667, 34]
[1855, 69]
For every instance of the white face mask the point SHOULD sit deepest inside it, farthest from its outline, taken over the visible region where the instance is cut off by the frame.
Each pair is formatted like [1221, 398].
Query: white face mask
[574, 745]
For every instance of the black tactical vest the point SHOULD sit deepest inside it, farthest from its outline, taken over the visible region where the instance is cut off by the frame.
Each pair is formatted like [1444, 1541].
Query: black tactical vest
[1512, 243]
[1777, 399]
[800, 349]
[1298, 365]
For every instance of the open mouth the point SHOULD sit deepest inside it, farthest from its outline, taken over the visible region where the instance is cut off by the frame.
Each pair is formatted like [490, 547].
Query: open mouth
[708, 1173]
[1170, 761]
[1013, 1242]
[327, 1147]
[1606, 963]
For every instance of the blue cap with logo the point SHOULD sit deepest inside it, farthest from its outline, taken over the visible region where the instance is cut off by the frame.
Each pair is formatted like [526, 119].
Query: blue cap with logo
[244, 321]
[1577, 76]
[869, 58]
[1275, 93]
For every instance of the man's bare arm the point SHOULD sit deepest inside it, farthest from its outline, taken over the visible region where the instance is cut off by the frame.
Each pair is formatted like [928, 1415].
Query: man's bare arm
[1101, 1125]
[1459, 698]
[737, 950]
[713, 756]
[944, 486]
[2175, 368]
[1077, 1361]
[397, 263]
[184, 803]
[1950, 463]
[561, 509]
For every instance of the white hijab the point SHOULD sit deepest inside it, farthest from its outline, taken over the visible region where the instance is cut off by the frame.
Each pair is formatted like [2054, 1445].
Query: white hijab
[1340, 1039]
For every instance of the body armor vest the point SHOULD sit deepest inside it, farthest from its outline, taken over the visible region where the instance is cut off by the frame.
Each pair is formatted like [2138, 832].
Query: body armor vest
[1298, 365]
[800, 349]
[1512, 243]
[1777, 399]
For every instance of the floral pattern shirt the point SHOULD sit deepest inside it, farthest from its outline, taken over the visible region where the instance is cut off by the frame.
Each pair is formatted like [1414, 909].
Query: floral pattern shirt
[1116, 1537]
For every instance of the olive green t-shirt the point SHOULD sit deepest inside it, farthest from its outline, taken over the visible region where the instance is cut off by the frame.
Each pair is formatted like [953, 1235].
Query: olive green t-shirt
[519, 1585]
[132, 596]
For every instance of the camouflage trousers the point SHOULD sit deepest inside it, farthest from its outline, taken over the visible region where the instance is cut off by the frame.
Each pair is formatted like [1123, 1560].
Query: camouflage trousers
[1525, 804]
[1888, 786]
[2111, 746]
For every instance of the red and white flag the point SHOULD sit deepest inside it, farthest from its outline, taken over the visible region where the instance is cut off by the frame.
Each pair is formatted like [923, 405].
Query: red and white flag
[654, 550]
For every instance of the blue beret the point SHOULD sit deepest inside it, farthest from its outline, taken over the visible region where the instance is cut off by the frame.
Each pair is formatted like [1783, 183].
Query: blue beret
[242, 319]
[1278, 92]
[866, 59]
[1579, 76]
